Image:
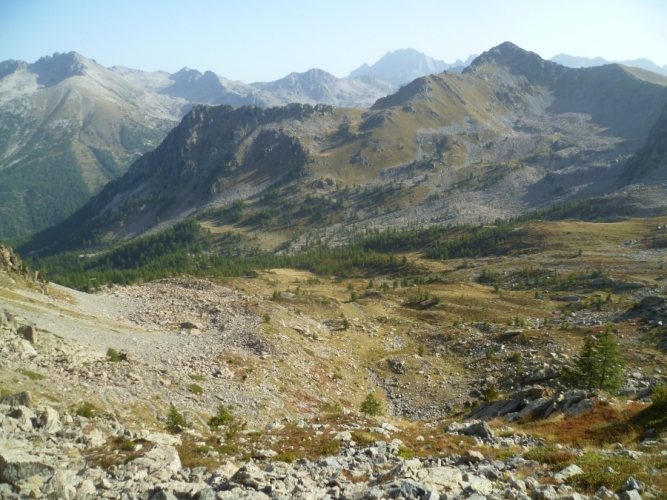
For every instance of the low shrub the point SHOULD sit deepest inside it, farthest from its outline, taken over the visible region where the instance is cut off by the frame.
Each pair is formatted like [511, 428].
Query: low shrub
[85, 410]
[221, 418]
[659, 398]
[113, 355]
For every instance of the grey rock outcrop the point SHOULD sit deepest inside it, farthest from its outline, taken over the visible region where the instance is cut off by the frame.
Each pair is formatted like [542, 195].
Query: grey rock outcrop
[16, 465]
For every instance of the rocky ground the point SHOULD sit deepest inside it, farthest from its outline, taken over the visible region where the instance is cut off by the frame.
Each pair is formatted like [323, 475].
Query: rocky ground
[78, 422]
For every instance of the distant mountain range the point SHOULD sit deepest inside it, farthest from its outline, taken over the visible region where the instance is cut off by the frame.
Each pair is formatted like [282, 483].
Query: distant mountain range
[587, 62]
[69, 125]
[311, 87]
[511, 133]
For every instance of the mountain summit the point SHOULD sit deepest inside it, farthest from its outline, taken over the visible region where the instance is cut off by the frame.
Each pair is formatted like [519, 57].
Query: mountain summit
[518, 61]
[405, 65]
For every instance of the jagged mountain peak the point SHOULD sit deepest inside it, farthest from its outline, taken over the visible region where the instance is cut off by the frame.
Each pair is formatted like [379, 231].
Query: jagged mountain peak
[310, 77]
[401, 66]
[186, 74]
[10, 66]
[52, 70]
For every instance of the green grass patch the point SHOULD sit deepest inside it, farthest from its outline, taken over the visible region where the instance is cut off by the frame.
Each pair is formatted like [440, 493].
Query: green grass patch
[365, 438]
[287, 456]
[196, 389]
[331, 447]
[406, 453]
[228, 449]
[31, 375]
[594, 476]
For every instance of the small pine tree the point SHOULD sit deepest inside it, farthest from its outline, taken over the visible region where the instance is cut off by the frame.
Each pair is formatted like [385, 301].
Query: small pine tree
[175, 421]
[585, 373]
[610, 361]
[371, 405]
[223, 417]
[490, 393]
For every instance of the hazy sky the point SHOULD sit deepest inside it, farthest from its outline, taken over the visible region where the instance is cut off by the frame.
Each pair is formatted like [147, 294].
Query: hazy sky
[255, 40]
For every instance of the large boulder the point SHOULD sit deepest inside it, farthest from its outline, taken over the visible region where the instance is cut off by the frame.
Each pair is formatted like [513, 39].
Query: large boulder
[49, 420]
[582, 407]
[22, 346]
[472, 457]
[481, 430]
[250, 475]
[29, 333]
[442, 478]
[162, 457]
[498, 408]
[567, 473]
[531, 410]
[16, 465]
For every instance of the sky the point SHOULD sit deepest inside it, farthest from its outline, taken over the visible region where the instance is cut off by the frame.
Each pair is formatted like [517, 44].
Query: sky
[262, 40]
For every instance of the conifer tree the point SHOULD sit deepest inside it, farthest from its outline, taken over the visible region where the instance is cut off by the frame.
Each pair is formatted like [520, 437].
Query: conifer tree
[585, 373]
[598, 365]
[610, 362]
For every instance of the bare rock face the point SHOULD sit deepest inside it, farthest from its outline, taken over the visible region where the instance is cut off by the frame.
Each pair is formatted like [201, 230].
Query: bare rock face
[16, 466]
[29, 333]
[651, 160]
[9, 261]
[21, 399]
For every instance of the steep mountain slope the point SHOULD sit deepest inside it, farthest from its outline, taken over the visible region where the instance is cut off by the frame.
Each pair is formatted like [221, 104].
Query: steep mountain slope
[67, 127]
[404, 65]
[216, 154]
[649, 164]
[512, 133]
[587, 62]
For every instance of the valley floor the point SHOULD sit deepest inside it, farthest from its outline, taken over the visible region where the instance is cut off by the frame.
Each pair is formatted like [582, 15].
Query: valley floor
[293, 355]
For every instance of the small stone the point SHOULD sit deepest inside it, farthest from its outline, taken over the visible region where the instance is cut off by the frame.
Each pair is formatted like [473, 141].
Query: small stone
[472, 457]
